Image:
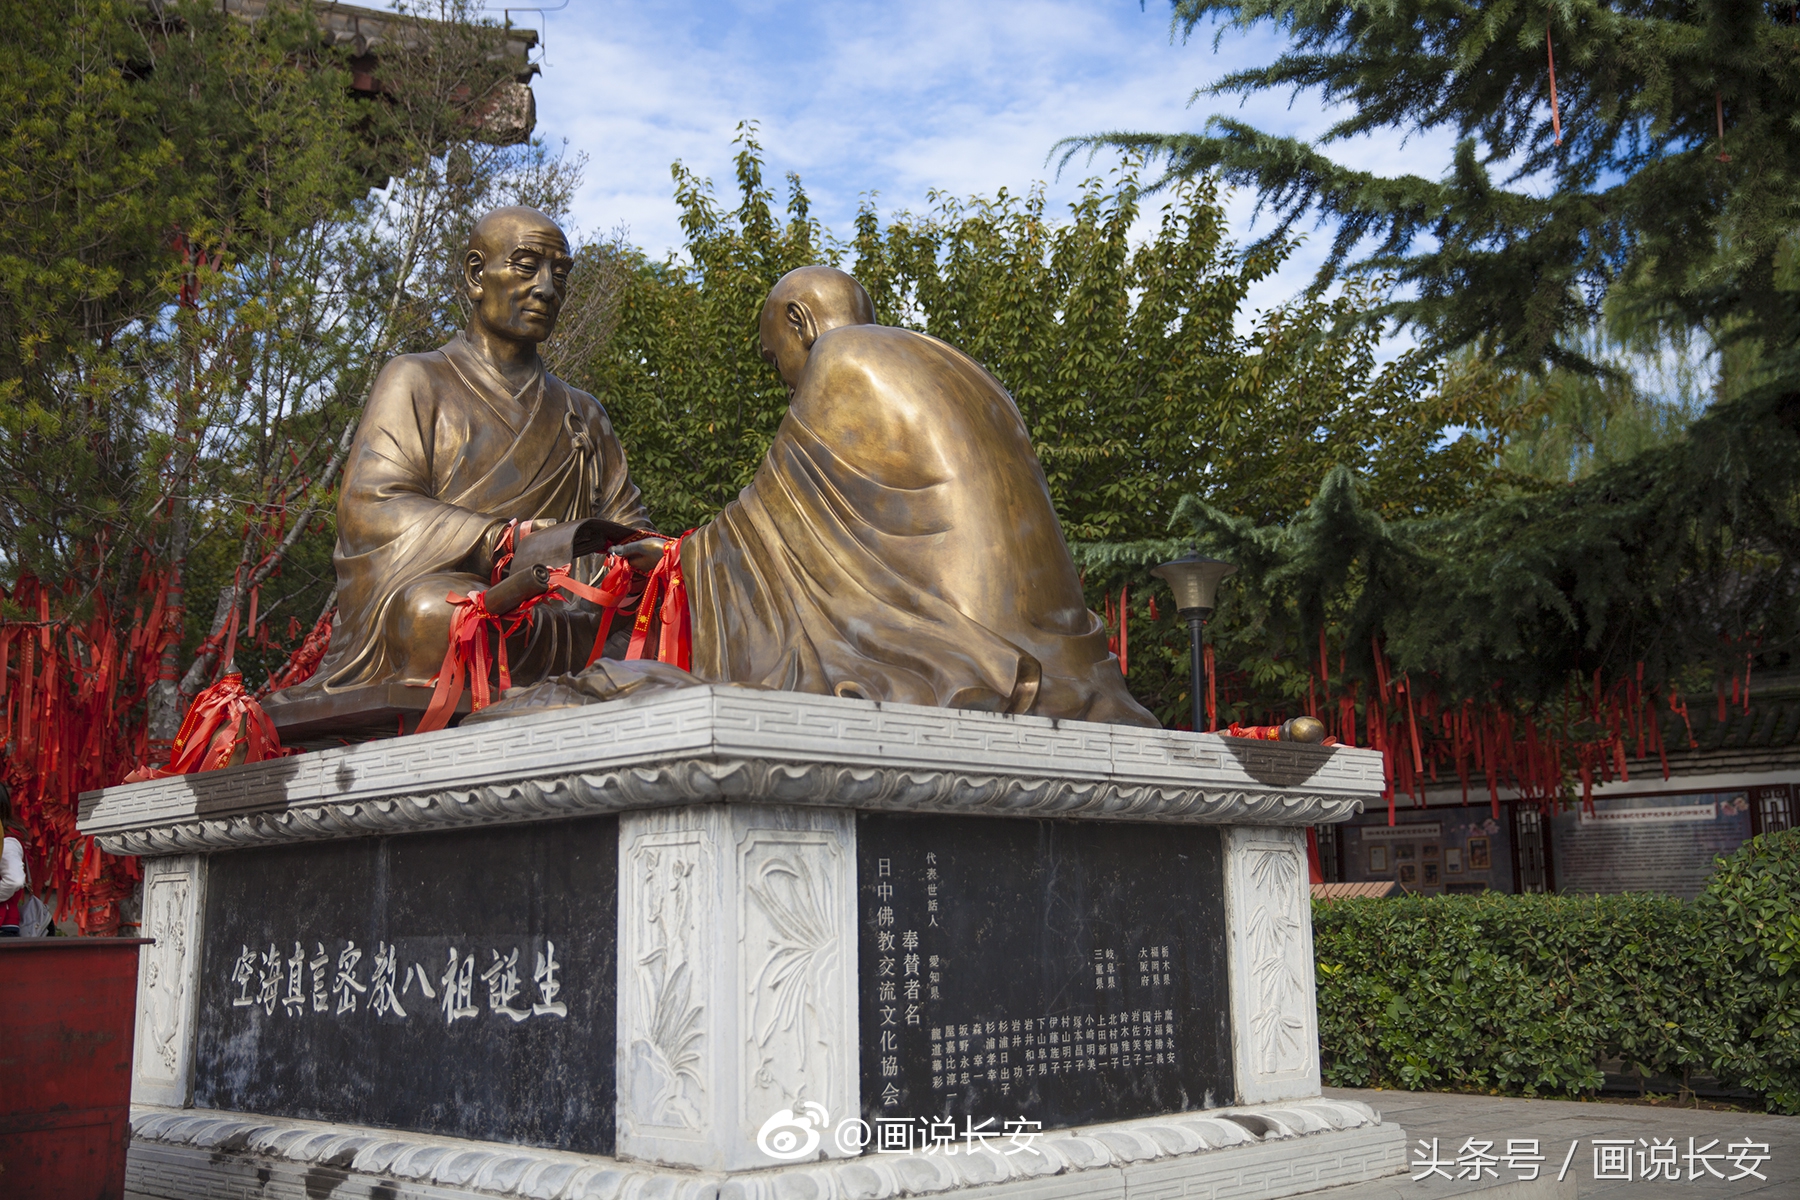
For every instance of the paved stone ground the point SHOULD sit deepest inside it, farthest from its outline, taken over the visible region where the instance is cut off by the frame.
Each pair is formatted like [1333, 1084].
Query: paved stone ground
[1455, 1119]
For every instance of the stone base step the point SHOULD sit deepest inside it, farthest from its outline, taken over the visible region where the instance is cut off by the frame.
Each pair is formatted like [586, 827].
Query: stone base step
[1260, 1153]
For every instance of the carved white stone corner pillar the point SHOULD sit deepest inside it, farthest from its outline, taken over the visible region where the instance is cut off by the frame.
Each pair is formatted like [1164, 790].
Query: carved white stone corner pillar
[737, 979]
[1274, 1018]
[168, 981]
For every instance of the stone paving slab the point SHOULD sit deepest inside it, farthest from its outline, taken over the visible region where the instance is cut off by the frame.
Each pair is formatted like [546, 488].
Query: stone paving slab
[1455, 1119]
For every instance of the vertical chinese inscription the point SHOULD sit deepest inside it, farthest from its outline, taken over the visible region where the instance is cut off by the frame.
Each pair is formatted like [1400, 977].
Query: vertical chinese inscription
[1055, 971]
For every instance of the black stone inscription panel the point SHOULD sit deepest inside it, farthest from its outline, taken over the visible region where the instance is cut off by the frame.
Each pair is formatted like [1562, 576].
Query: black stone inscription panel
[455, 983]
[1059, 972]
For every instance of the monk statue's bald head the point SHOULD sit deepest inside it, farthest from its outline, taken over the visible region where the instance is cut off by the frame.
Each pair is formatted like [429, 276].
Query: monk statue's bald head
[803, 305]
[516, 273]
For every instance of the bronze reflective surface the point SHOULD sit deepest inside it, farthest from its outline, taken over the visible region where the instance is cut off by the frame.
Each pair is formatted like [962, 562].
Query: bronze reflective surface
[453, 445]
[898, 542]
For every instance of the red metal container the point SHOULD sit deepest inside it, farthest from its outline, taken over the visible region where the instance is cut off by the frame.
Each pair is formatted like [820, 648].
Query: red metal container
[66, 1025]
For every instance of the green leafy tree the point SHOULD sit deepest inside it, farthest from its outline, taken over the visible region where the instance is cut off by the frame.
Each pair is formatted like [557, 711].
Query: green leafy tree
[1126, 361]
[1514, 247]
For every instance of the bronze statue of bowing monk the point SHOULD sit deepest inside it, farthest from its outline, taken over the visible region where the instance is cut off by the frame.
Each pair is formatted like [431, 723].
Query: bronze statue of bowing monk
[898, 542]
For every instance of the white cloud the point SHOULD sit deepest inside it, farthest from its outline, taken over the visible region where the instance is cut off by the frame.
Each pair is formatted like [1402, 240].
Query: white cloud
[896, 99]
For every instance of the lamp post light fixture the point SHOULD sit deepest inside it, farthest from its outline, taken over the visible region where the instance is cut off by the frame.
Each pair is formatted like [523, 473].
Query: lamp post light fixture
[1195, 579]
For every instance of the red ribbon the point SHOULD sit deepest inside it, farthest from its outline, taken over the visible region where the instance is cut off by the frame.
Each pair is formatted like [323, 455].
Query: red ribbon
[665, 597]
[221, 719]
[468, 662]
[615, 586]
[1555, 113]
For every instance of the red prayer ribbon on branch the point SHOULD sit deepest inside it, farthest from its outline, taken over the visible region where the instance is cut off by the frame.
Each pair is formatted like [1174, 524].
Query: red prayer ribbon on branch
[1555, 115]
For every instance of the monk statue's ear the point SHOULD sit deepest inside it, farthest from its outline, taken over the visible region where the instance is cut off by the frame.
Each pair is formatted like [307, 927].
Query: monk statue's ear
[472, 265]
[800, 319]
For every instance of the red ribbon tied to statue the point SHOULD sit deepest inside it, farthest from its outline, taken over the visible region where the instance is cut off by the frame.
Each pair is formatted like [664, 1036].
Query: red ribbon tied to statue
[665, 597]
[467, 655]
[224, 726]
[615, 586]
[468, 661]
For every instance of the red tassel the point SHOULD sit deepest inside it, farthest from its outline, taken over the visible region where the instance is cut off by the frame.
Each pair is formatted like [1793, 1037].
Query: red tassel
[1124, 630]
[1555, 108]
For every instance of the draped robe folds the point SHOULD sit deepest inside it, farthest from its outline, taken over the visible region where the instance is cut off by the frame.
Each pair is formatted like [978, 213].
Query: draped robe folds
[899, 543]
[447, 453]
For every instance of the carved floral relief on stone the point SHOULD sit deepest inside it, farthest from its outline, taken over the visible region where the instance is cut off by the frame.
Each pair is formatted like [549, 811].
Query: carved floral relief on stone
[164, 995]
[663, 1065]
[1276, 952]
[793, 962]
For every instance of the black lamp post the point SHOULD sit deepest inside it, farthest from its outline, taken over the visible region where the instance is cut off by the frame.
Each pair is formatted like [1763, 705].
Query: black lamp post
[1195, 579]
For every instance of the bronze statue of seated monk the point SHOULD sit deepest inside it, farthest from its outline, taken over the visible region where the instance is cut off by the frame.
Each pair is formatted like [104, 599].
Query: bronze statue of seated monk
[456, 448]
[897, 544]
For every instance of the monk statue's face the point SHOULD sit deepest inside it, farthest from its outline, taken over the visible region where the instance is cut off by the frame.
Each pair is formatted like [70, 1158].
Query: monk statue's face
[517, 274]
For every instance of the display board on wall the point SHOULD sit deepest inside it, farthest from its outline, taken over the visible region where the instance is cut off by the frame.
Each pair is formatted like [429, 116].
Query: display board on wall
[1647, 843]
[1435, 851]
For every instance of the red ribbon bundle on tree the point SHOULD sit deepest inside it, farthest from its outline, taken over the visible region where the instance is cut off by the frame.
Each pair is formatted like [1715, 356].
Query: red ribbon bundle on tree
[224, 726]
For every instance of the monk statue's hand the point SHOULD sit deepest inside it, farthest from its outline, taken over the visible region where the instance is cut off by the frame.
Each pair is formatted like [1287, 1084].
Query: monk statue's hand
[643, 554]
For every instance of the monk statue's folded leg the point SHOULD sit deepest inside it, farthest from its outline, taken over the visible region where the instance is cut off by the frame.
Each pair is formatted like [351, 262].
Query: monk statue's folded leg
[417, 628]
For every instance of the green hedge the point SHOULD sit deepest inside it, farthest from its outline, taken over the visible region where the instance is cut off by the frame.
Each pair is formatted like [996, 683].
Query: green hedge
[1526, 995]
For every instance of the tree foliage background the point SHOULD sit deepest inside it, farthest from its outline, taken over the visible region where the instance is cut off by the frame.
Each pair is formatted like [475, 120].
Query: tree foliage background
[1653, 207]
[210, 243]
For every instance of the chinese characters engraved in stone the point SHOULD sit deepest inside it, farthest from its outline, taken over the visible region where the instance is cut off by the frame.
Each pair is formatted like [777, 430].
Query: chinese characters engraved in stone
[268, 979]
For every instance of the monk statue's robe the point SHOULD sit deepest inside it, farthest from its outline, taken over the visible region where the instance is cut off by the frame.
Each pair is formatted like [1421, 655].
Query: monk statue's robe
[446, 454]
[898, 543]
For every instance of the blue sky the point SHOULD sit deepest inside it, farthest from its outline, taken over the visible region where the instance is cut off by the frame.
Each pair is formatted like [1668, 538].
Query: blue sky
[897, 98]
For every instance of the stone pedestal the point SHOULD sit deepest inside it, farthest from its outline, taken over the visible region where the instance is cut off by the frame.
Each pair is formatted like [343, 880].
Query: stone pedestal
[729, 942]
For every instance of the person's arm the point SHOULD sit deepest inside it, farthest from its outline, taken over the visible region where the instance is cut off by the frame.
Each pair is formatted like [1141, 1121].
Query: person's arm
[12, 869]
